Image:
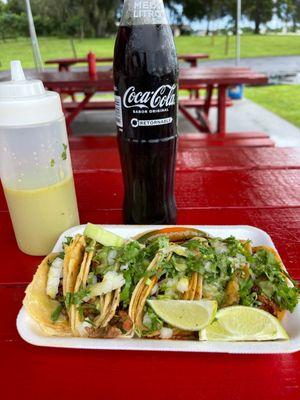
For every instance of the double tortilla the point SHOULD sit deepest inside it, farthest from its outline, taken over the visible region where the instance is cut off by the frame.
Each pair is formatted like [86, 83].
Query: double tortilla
[280, 313]
[108, 304]
[39, 305]
[145, 286]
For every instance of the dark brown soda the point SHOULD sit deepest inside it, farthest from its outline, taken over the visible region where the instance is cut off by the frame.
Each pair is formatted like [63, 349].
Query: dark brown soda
[145, 58]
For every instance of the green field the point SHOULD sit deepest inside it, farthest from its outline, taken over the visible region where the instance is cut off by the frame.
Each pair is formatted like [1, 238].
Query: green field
[283, 100]
[252, 46]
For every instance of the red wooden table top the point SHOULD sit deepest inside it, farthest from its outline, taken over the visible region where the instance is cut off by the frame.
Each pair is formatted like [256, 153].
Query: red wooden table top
[259, 187]
[188, 78]
[71, 61]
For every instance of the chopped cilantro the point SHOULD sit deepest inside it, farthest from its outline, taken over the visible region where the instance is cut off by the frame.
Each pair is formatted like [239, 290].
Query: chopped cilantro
[52, 162]
[126, 291]
[56, 313]
[151, 320]
[78, 297]
[64, 153]
[67, 241]
[90, 246]
[271, 279]
[68, 300]
[89, 321]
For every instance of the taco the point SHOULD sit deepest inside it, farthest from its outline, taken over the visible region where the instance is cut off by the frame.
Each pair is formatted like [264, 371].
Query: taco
[230, 271]
[167, 276]
[276, 291]
[44, 300]
[96, 308]
[97, 291]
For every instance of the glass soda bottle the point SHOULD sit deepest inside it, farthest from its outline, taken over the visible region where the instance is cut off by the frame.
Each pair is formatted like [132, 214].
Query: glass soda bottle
[146, 86]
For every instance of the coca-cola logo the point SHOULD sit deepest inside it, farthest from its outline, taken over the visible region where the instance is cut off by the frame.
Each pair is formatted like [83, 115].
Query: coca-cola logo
[164, 96]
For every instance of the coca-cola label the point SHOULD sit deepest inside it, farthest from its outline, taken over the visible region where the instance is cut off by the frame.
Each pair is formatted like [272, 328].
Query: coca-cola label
[164, 96]
[146, 103]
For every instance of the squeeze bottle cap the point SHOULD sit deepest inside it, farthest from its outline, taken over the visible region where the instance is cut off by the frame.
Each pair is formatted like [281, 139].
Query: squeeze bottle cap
[26, 102]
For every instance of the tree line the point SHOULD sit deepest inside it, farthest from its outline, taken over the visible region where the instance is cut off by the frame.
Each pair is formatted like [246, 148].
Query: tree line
[96, 18]
[257, 11]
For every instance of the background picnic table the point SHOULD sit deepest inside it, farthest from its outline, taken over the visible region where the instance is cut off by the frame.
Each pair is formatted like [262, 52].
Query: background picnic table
[189, 78]
[64, 64]
[259, 187]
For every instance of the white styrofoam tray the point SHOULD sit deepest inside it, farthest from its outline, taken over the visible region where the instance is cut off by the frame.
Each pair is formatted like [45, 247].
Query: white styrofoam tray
[31, 333]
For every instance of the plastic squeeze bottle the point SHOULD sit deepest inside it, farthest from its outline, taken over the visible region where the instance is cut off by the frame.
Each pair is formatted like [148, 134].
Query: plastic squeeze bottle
[35, 164]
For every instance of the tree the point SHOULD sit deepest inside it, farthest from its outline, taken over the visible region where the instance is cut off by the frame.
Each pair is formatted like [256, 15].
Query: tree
[203, 9]
[70, 17]
[258, 11]
[12, 25]
[288, 11]
[101, 15]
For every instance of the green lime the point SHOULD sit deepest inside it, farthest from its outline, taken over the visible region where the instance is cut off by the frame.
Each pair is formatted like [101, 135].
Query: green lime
[240, 323]
[187, 315]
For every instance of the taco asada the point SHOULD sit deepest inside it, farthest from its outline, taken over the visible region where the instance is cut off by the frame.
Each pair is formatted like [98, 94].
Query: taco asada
[45, 299]
[165, 277]
[97, 291]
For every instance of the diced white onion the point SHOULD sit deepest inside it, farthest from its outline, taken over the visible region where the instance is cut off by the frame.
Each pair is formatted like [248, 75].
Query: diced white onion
[124, 267]
[111, 257]
[147, 320]
[171, 282]
[92, 279]
[111, 281]
[166, 333]
[207, 265]
[183, 285]
[177, 249]
[220, 247]
[82, 327]
[54, 275]
[171, 293]
[154, 290]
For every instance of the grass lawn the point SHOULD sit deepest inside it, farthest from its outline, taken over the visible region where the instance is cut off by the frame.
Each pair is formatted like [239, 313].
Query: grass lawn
[252, 46]
[283, 100]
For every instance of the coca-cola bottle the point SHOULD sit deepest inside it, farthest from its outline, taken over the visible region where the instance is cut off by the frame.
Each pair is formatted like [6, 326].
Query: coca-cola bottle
[146, 77]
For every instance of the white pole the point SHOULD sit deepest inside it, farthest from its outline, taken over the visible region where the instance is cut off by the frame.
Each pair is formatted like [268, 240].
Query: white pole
[238, 35]
[34, 42]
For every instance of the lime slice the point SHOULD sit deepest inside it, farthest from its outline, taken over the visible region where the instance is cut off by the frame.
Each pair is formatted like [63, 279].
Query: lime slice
[102, 236]
[240, 323]
[185, 314]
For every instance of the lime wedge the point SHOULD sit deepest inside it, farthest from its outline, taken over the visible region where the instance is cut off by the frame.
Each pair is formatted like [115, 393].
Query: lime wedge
[240, 323]
[102, 236]
[185, 314]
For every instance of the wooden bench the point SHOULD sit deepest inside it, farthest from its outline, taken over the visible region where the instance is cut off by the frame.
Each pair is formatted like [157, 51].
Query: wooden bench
[110, 104]
[194, 103]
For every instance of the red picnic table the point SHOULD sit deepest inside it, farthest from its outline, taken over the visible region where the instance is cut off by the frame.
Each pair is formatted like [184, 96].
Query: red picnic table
[189, 78]
[64, 64]
[259, 187]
